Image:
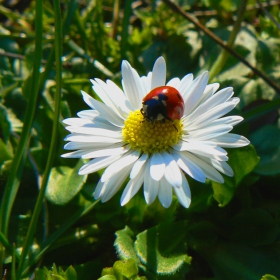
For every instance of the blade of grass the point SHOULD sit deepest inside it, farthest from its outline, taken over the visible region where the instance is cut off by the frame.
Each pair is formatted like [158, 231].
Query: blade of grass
[71, 44]
[125, 27]
[4, 241]
[13, 182]
[52, 238]
[13, 270]
[40, 199]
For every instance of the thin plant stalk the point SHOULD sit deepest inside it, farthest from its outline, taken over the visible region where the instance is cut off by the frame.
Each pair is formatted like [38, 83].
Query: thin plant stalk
[40, 199]
[222, 58]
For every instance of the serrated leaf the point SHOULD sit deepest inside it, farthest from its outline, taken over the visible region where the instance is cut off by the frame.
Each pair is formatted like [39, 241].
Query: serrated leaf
[64, 184]
[161, 248]
[242, 161]
[266, 141]
[124, 244]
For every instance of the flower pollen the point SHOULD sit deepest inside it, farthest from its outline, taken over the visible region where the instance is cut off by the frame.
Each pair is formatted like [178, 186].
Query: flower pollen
[150, 137]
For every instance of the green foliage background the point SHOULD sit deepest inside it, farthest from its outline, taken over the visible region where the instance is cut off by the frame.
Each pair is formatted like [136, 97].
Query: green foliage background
[50, 226]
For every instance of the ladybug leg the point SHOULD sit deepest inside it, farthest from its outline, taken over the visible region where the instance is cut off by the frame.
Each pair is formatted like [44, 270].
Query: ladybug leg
[175, 126]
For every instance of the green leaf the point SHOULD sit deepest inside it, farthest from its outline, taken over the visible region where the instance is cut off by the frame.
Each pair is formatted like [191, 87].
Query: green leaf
[243, 161]
[253, 227]
[202, 234]
[5, 126]
[266, 141]
[70, 273]
[162, 248]
[5, 154]
[64, 184]
[124, 244]
[236, 261]
[42, 274]
[127, 268]
[107, 277]
[269, 277]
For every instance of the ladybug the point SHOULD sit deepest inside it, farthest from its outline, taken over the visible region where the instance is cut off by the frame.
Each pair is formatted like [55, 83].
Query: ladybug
[163, 103]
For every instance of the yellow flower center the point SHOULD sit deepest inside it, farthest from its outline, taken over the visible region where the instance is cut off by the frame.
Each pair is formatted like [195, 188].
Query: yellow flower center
[150, 137]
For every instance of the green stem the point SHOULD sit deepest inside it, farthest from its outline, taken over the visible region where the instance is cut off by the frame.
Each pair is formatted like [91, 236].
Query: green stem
[261, 110]
[125, 26]
[222, 58]
[40, 199]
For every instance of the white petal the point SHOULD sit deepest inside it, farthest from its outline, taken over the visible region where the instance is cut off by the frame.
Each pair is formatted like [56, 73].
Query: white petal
[222, 167]
[172, 171]
[175, 82]
[99, 123]
[219, 98]
[104, 110]
[146, 82]
[113, 184]
[92, 139]
[201, 149]
[93, 131]
[126, 160]
[208, 92]
[157, 166]
[184, 85]
[195, 92]
[132, 188]
[77, 121]
[90, 145]
[184, 193]
[231, 140]
[103, 92]
[88, 99]
[97, 164]
[150, 186]
[112, 151]
[210, 132]
[132, 85]
[165, 193]
[215, 152]
[76, 154]
[138, 165]
[208, 170]
[232, 120]
[207, 117]
[114, 96]
[88, 114]
[159, 73]
[192, 169]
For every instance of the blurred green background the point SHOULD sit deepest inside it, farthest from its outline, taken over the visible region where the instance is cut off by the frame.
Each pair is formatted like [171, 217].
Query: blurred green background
[48, 52]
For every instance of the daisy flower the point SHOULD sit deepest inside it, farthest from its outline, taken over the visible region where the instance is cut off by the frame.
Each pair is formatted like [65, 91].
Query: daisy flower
[156, 154]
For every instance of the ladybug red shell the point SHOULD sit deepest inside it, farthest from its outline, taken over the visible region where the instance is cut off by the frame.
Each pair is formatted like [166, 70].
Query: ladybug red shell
[163, 103]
